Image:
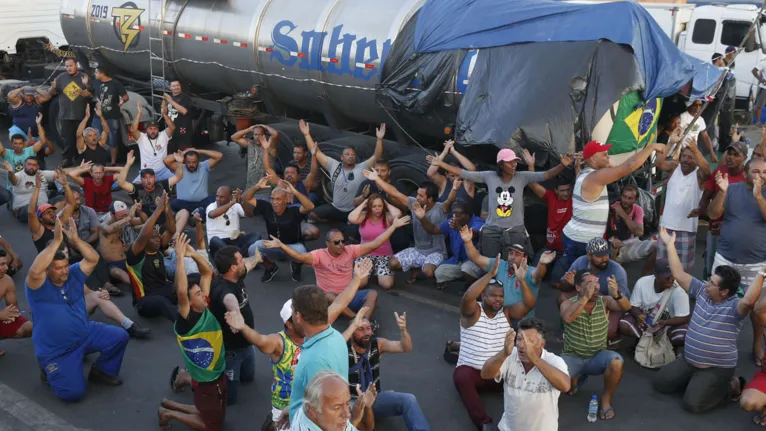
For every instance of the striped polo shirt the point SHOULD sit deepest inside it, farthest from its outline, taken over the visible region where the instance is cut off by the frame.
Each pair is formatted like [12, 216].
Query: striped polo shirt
[587, 335]
[711, 340]
[588, 217]
[482, 340]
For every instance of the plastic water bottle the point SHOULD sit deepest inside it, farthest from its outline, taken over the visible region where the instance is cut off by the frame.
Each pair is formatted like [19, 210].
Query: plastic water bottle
[592, 409]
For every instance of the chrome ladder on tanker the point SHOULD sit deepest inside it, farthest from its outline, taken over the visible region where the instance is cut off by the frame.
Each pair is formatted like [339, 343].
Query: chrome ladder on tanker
[157, 33]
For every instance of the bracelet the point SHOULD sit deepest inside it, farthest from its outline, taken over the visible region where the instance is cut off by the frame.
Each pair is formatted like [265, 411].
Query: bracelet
[618, 297]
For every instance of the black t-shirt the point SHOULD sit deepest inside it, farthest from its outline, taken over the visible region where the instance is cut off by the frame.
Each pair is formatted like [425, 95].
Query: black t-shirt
[150, 267]
[182, 122]
[183, 326]
[373, 189]
[220, 288]
[286, 227]
[99, 155]
[147, 198]
[109, 94]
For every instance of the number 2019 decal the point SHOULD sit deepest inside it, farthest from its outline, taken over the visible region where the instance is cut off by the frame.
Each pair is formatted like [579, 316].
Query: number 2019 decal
[98, 11]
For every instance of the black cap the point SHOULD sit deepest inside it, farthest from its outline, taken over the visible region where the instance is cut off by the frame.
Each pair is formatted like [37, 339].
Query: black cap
[730, 49]
[152, 123]
[147, 171]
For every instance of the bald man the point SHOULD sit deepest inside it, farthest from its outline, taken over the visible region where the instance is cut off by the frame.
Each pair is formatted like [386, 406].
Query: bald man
[223, 221]
[326, 405]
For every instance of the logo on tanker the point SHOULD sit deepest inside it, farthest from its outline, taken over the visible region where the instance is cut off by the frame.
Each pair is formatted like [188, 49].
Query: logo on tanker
[126, 21]
[340, 61]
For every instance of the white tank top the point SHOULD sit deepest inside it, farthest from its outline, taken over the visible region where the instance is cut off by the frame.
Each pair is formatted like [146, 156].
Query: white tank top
[588, 217]
[482, 340]
[683, 195]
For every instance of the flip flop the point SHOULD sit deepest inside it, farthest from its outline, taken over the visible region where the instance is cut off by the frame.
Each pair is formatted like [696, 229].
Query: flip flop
[602, 413]
[580, 381]
[759, 420]
[173, 377]
[450, 356]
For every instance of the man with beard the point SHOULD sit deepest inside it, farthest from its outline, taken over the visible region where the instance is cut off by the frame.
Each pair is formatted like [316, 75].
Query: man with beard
[345, 177]
[196, 327]
[250, 147]
[153, 145]
[585, 336]
[303, 179]
[42, 218]
[590, 200]
[90, 146]
[483, 327]
[683, 192]
[112, 239]
[149, 188]
[229, 294]
[743, 208]
[74, 91]
[364, 353]
[223, 222]
[734, 168]
[505, 224]
[533, 379]
[597, 261]
[23, 147]
[25, 104]
[192, 192]
[625, 227]
[153, 294]
[12, 323]
[111, 96]
[24, 184]
[283, 221]
[520, 283]
[97, 187]
[178, 105]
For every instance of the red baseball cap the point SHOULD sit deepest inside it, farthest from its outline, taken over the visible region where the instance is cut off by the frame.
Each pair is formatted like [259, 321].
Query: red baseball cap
[593, 147]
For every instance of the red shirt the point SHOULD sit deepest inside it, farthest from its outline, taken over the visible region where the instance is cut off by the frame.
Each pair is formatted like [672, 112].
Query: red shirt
[98, 197]
[714, 226]
[559, 213]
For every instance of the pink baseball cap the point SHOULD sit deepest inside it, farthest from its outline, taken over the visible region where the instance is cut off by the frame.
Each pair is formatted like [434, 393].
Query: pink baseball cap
[506, 155]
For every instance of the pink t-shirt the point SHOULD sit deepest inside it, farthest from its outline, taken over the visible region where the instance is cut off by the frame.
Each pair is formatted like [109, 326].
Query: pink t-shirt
[369, 231]
[334, 273]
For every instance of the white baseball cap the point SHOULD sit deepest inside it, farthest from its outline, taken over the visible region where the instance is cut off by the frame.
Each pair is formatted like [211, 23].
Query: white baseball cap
[287, 311]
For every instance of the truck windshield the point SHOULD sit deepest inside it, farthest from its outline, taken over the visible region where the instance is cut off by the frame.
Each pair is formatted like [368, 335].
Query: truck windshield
[734, 31]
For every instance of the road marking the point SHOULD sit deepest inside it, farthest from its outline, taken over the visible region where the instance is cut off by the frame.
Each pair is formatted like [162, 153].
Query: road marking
[428, 301]
[31, 413]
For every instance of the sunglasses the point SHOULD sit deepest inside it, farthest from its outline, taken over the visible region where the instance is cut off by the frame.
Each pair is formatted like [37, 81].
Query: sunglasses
[339, 241]
[226, 217]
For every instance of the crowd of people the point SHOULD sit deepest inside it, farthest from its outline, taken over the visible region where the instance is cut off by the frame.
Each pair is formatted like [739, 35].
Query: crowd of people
[181, 253]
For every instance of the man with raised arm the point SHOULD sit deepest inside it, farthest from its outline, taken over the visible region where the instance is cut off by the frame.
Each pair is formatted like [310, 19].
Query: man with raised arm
[24, 185]
[196, 329]
[284, 348]
[42, 218]
[193, 192]
[445, 179]
[63, 334]
[97, 187]
[250, 147]
[505, 224]
[90, 146]
[24, 104]
[23, 147]
[303, 179]
[229, 294]
[151, 185]
[333, 264]
[283, 221]
[590, 202]
[153, 145]
[75, 92]
[430, 249]
[345, 176]
[705, 372]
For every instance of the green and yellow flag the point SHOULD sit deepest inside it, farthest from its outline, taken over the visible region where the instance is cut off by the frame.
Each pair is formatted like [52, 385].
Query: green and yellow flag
[635, 124]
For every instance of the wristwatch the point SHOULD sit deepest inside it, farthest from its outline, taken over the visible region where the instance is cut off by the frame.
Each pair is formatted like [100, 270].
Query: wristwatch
[618, 297]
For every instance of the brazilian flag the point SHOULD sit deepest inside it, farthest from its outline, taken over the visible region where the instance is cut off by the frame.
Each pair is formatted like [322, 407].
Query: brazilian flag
[203, 350]
[635, 124]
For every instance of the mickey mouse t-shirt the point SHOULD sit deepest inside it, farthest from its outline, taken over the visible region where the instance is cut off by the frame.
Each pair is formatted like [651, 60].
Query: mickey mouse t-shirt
[506, 200]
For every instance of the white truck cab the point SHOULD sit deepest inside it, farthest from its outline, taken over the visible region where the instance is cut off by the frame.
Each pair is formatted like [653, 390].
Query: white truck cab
[26, 26]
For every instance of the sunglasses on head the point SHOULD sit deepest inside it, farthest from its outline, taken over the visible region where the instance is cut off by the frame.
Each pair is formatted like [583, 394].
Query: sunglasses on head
[339, 241]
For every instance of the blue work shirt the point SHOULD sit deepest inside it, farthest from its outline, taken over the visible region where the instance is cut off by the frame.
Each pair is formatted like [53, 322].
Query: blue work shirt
[612, 268]
[456, 242]
[61, 320]
[511, 286]
[326, 350]
[193, 187]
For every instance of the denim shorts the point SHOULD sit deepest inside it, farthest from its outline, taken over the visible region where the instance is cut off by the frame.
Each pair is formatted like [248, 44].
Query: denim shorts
[357, 303]
[593, 366]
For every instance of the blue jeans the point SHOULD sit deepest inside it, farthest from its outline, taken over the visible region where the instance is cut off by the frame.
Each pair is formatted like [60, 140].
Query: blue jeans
[242, 243]
[572, 248]
[273, 254]
[64, 373]
[390, 403]
[114, 131]
[240, 367]
[593, 366]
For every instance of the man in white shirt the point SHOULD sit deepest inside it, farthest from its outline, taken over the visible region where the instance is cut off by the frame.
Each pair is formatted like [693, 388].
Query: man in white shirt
[153, 145]
[533, 379]
[645, 300]
[699, 130]
[23, 183]
[760, 100]
[223, 222]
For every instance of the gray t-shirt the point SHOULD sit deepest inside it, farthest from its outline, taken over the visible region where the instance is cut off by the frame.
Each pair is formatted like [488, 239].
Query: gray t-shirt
[71, 104]
[345, 183]
[743, 227]
[505, 200]
[85, 221]
[425, 242]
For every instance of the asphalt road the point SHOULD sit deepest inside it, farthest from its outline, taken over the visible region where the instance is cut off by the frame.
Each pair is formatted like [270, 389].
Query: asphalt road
[26, 404]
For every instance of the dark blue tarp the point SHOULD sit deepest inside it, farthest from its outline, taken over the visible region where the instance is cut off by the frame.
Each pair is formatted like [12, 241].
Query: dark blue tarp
[467, 24]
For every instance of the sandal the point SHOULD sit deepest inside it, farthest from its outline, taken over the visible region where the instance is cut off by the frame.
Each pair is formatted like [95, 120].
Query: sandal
[602, 414]
[114, 290]
[450, 356]
[441, 286]
[759, 420]
[173, 377]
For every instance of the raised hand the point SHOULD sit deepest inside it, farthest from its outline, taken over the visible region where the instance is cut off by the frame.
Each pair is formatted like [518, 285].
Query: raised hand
[531, 353]
[131, 158]
[667, 237]
[370, 175]
[367, 398]
[164, 109]
[263, 182]
[521, 269]
[99, 114]
[722, 181]
[166, 97]
[433, 160]
[569, 277]
[162, 200]
[58, 234]
[273, 243]
[675, 137]
[39, 118]
[263, 142]
[567, 159]
[510, 341]
[589, 290]
[457, 184]
[578, 158]
[529, 158]
[361, 314]
[85, 79]
[235, 320]
[181, 243]
[38, 179]
[613, 287]
[366, 191]
[7, 166]
[757, 186]
[72, 235]
[60, 176]
[236, 195]
[133, 209]
[87, 113]
[304, 126]
[401, 321]
[449, 144]
[466, 234]
[401, 221]
[547, 257]
[419, 211]
[495, 266]
[735, 136]
[362, 268]
[287, 186]
[380, 132]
